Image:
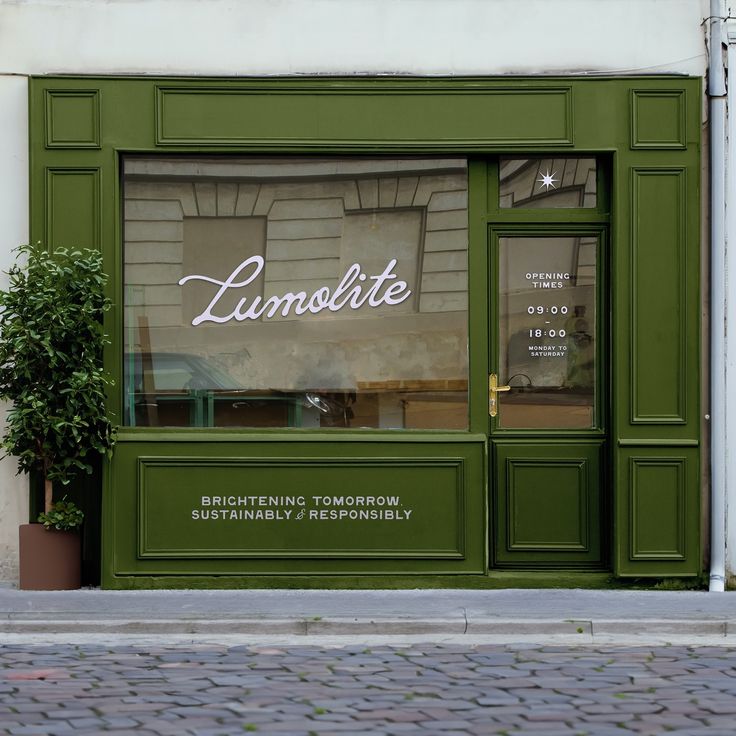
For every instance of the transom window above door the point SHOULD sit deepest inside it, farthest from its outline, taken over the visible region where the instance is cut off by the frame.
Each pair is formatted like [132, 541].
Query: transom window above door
[547, 183]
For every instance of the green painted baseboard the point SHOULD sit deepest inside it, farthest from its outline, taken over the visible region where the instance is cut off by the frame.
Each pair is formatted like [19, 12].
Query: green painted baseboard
[494, 581]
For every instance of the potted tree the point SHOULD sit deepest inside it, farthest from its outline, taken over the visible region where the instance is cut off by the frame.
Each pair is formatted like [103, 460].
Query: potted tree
[51, 340]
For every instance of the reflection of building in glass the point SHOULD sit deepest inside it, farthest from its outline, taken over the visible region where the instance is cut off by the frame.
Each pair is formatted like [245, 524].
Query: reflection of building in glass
[309, 220]
[581, 350]
[547, 182]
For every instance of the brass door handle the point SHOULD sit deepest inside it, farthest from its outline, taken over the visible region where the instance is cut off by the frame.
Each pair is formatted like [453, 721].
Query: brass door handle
[493, 389]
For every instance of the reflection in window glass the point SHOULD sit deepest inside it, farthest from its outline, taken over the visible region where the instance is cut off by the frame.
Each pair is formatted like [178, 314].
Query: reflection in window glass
[547, 331]
[547, 182]
[296, 292]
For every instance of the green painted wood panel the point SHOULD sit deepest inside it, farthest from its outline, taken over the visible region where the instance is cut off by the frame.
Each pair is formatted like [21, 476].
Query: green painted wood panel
[647, 125]
[656, 322]
[244, 115]
[659, 289]
[548, 503]
[658, 492]
[72, 118]
[660, 508]
[438, 480]
[658, 119]
[72, 207]
[301, 507]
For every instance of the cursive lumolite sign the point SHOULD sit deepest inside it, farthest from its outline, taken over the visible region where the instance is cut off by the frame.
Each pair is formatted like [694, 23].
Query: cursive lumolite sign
[385, 289]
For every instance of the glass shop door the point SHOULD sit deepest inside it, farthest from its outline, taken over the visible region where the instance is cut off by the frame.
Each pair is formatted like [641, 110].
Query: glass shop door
[547, 395]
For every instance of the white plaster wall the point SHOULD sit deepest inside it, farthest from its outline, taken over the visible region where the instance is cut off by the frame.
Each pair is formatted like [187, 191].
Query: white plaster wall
[13, 232]
[261, 37]
[351, 36]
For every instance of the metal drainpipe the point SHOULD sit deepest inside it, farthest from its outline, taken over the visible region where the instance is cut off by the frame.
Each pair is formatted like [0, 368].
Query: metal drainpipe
[719, 280]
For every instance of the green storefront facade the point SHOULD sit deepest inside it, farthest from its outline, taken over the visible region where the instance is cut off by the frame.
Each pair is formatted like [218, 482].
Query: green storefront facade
[419, 242]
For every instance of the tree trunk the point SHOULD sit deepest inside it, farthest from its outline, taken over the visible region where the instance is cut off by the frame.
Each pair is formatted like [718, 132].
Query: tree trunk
[48, 498]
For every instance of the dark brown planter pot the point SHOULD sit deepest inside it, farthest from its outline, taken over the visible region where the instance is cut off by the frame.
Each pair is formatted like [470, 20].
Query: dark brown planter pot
[49, 559]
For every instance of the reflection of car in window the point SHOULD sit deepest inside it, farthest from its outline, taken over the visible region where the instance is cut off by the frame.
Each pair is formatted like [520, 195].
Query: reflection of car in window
[184, 390]
[176, 372]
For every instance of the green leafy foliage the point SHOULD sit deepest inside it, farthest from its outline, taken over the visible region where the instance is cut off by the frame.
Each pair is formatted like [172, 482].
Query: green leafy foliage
[51, 341]
[64, 515]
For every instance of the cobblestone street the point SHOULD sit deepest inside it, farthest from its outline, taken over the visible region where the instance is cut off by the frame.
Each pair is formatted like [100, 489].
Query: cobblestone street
[420, 688]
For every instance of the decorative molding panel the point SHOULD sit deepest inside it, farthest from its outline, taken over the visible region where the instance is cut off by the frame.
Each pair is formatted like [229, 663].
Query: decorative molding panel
[298, 507]
[73, 217]
[72, 118]
[657, 488]
[548, 498]
[553, 515]
[400, 115]
[658, 287]
[658, 119]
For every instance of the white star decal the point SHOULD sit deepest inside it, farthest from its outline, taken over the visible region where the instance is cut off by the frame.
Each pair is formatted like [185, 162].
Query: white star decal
[547, 180]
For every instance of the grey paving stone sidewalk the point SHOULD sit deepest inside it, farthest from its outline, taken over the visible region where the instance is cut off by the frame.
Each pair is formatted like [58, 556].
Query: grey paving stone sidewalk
[598, 617]
[419, 689]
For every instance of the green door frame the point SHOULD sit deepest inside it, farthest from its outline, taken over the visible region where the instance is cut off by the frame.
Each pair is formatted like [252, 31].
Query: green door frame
[586, 450]
[647, 127]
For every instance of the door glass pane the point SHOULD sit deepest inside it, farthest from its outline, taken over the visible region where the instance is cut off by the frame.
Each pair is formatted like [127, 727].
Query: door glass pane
[296, 292]
[547, 182]
[547, 331]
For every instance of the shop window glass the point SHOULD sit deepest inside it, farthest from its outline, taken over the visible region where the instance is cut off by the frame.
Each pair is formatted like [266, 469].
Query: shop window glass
[296, 292]
[543, 183]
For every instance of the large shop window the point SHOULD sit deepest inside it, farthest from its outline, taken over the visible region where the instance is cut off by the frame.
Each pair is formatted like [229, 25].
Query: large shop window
[296, 292]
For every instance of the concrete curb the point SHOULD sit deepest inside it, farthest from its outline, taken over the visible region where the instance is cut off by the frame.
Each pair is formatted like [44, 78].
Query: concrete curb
[374, 626]
[306, 617]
